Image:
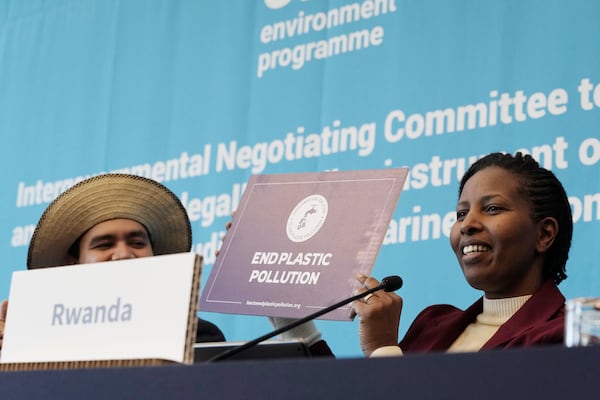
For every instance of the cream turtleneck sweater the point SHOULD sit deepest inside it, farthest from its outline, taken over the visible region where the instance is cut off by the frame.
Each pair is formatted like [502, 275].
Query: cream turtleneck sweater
[495, 313]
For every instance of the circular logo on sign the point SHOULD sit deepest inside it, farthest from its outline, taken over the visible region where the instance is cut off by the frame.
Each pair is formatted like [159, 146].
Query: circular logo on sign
[307, 218]
[275, 4]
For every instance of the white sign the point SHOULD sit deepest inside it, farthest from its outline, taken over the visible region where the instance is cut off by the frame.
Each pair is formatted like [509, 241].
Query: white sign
[135, 309]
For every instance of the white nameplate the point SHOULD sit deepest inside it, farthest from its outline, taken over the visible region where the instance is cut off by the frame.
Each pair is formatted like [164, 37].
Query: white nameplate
[135, 309]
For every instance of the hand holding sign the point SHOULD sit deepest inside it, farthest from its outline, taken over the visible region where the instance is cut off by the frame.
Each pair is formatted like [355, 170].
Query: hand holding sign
[3, 310]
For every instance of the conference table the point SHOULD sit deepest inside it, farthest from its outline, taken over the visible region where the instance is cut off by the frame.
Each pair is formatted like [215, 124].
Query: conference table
[532, 373]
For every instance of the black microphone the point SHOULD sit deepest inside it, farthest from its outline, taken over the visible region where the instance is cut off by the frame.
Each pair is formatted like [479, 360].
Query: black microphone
[388, 284]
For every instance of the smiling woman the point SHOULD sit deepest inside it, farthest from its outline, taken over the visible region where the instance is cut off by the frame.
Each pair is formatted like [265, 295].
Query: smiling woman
[511, 237]
[498, 244]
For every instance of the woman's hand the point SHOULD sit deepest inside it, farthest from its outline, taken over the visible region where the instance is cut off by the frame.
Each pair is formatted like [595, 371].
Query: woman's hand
[379, 315]
[227, 226]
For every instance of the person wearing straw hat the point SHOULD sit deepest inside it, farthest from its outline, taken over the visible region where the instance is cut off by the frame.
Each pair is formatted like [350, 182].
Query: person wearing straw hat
[112, 217]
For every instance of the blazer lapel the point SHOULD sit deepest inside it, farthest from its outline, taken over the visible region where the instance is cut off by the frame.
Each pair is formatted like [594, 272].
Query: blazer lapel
[540, 308]
[448, 329]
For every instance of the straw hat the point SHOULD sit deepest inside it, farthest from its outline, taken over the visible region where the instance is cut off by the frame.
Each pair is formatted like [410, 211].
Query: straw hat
[102, 198]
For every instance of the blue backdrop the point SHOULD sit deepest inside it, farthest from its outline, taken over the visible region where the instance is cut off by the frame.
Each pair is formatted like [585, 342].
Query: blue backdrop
[201, 94]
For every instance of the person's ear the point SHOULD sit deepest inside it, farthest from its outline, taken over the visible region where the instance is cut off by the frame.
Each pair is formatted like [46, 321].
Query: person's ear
[547, 231]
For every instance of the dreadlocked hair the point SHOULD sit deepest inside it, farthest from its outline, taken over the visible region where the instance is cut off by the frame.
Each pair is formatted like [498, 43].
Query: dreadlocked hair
[548, 198]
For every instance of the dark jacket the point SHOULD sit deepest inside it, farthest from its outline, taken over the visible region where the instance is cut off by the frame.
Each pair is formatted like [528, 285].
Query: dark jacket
[208, 332]
[539, 321]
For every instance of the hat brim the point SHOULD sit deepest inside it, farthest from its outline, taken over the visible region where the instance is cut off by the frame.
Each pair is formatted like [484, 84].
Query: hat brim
[102, 198]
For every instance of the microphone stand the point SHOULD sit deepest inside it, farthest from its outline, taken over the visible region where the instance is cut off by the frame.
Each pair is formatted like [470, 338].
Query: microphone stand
[247, 345]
